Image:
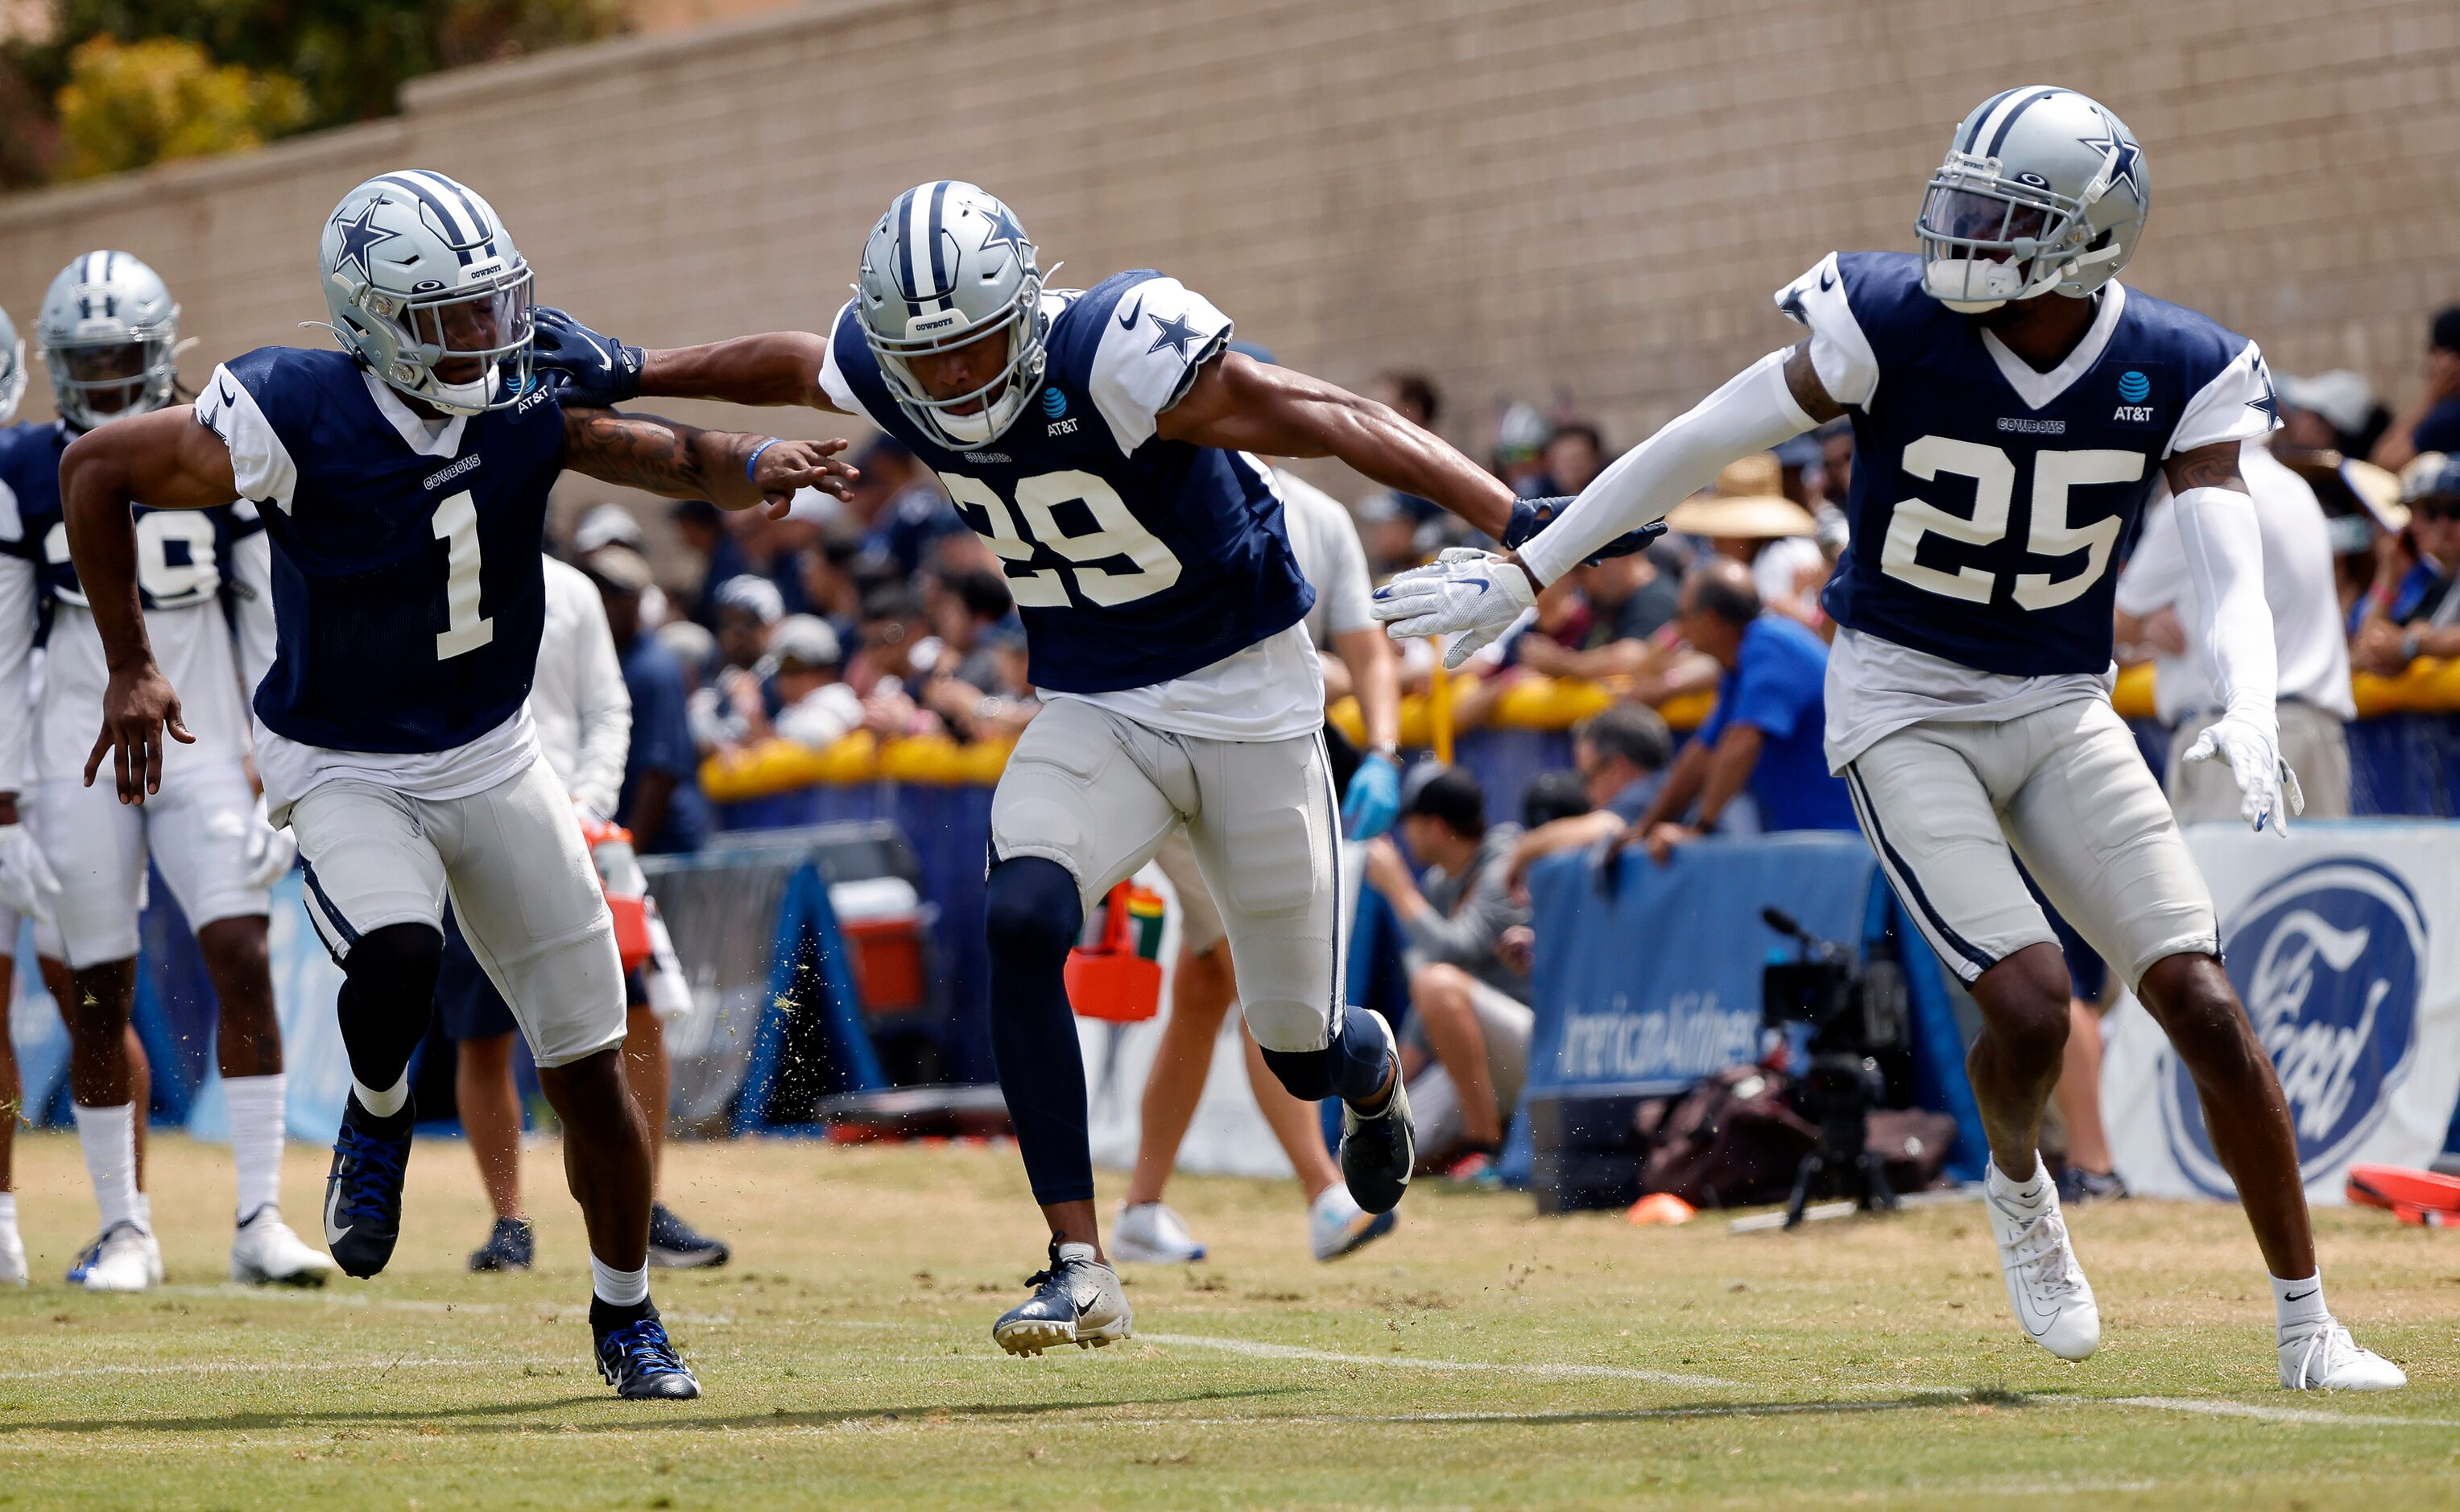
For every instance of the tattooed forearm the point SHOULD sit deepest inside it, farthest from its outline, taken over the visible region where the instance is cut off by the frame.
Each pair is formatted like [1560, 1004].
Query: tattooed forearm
[644, 452]
[2214, 466]
[1802, 381]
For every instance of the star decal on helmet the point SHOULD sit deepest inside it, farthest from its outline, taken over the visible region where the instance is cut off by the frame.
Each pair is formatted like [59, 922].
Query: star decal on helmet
[359, 238]
[1005, 232]
[2269, 406]
[1174, 333]
[2126, 161]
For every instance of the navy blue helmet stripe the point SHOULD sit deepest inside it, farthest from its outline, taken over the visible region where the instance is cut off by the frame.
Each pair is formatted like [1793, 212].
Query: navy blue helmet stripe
[1982, 118]
[903, 268]
[1999, 138]
[428, 197]
[942, 285]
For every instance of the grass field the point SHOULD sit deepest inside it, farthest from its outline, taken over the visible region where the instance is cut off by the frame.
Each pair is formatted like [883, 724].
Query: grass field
[1479, 1357]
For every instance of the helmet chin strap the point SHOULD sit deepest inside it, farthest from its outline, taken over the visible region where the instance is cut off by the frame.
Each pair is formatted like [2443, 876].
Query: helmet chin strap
[463, 398]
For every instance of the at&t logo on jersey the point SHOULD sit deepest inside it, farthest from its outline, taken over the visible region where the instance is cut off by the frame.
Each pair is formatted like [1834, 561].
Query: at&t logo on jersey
[2134, 387]
[2330, 961]
[1055, 407]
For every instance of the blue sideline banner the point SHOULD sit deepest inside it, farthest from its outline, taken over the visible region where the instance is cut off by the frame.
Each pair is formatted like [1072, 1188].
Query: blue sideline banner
[1658, 985]
[2344, 941]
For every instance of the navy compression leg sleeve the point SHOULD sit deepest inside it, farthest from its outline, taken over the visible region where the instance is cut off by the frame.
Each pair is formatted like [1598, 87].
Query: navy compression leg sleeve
[1351, 1068]
[1033, 916]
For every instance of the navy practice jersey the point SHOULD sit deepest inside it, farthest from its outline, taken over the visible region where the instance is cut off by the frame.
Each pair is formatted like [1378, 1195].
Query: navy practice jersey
[1991, 501]
[1133, 561]
[183, 555]
[408, 596]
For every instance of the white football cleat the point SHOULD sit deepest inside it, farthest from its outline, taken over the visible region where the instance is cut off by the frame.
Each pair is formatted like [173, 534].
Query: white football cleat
[12, 1257]
[1336, 1225]
[1077, 1301]
[2323, 1358]
[265, 1251]
[1153, 1234]
[2052, 1300]
[124, 1260]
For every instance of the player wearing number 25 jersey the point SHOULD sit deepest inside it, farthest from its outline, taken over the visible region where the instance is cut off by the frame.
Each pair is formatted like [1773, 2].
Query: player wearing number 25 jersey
[403, 484]
[2013, 405]
[1100, 443]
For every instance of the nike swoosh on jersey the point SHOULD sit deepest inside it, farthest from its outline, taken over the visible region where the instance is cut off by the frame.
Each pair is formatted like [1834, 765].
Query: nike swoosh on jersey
[228, 397]
[1128, 321]
[1827, 280]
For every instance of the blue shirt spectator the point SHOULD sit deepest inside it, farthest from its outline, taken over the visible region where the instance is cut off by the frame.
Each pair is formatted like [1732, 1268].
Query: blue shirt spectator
[662, 746]
[1764, 738]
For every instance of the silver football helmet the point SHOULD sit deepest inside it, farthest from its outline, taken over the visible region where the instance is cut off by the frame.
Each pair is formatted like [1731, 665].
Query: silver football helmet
[12, 369]
[949, 266]
[427, 289]
[109, 332]
[2043, 189]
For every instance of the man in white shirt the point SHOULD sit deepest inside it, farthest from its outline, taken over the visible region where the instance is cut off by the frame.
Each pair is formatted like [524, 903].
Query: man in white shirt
[2158, 605]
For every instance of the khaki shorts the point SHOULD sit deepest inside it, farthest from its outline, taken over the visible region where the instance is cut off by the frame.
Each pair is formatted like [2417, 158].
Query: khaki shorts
[1100, 793]
[1951, 807]
[523, 890]
[2313, 742]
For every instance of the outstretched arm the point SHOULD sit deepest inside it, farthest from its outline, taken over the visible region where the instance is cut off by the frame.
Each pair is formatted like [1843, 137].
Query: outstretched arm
[170, 461]
[729, 469]
[1241, 405]
[2224, 547]
[1774, 400]
[780, 368]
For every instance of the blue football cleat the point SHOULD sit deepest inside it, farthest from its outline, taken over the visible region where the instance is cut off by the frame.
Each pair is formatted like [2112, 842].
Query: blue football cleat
[676, 1244]
[511, 1246]
[84, 1262]
[641, 1363]
[363, 1192]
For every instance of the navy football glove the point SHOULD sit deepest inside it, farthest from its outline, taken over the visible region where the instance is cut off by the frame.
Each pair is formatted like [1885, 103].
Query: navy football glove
[1529, 516]
[583, 366]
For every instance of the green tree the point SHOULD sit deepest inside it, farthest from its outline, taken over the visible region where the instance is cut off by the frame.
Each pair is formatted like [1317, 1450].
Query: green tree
[160, 100]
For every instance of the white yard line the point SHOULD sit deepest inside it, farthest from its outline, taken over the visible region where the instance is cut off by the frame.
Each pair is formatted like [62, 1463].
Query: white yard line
[2208, 1408]
[377, 1367]
[1263, 1350]
[545, 1311]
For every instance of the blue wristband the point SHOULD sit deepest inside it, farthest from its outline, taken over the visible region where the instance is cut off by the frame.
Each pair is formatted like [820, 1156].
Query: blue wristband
[753, 460]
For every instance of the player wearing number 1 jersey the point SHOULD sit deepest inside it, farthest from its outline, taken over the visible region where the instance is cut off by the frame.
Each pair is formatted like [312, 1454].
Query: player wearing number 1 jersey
[403, 483]
[1100, 441]
[2012, 407]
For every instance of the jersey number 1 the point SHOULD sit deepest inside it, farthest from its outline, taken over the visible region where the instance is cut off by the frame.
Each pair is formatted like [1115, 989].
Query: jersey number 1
[457, 526]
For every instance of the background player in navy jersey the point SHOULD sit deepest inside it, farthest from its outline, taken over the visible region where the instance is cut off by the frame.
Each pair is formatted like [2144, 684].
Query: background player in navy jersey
[403, 481]
[2012, 405]
[108, 330]
[1098, 441]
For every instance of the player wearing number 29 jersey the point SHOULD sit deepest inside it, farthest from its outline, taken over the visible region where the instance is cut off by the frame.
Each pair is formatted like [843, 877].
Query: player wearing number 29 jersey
[1102, 444]
[2012, 405]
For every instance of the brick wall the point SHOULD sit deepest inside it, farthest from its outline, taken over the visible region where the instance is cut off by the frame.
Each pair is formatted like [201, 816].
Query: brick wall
[1520, 196]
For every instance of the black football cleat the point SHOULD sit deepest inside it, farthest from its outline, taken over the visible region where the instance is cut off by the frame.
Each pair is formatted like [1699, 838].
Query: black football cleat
[676, 1244]
[1378, 1149]
[363, 1191]
[512, 1245]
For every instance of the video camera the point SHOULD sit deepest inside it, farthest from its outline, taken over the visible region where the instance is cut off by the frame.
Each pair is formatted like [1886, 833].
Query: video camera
[1852, 1014]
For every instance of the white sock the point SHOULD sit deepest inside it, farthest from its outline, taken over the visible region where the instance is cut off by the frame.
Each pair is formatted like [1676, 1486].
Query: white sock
[2027, 1193]
[256, 1139]
[387, 1103]
[145, 1210]
[619, 1287]
[7, 1212]
[108, 1135]
[2300, 1305]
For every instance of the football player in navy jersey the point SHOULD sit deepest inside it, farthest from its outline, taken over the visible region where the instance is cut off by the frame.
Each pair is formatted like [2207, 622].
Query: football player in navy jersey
[1100, 442]
[403, 482]
[108, 330]
[2012, 405]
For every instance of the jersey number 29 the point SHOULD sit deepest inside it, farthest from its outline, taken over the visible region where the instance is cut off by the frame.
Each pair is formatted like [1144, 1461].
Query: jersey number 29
[1117, 533]
[1994, 488]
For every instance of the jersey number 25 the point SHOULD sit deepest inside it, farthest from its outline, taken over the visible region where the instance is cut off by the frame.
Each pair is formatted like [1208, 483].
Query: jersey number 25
[1994, 487]
[1116, 534]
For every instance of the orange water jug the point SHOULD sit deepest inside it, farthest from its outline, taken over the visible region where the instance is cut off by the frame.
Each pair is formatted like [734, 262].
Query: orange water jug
[1118, 978]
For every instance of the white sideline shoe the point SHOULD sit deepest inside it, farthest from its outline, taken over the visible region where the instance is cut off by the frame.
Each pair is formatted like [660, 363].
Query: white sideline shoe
[2323, 1358]
[125, 1260]
[1153, 1234]
[266, 1251]
[12, 1257]
[2045, 1288]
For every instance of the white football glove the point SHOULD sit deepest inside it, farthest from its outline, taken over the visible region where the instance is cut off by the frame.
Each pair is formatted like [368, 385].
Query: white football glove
[2268, 789]
[1474, 593]
[26, 880]
[269, 851]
